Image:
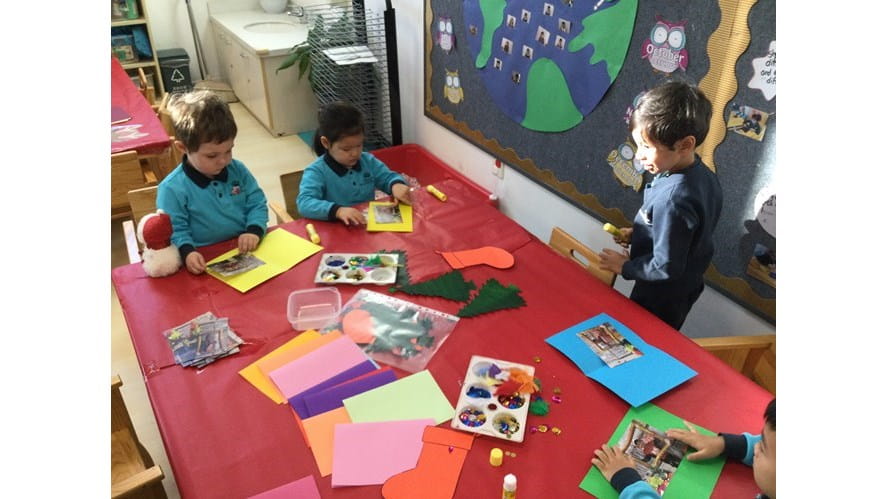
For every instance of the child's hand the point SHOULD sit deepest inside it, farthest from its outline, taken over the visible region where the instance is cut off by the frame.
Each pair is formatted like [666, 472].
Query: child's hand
[707, 446]
[402, 193]
[612, 260]
[350, 216]
[609, 461]
[625, 238]
[195, 262]
[247, 242]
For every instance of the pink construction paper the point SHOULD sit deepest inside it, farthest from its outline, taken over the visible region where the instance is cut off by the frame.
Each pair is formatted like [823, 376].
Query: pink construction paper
[317, 366]
[394, 447]
[303, 488]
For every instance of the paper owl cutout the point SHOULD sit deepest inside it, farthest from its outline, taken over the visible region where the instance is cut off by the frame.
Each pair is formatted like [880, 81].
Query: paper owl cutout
[453, 89]
[665, 49]
[627, 169]
[445, 37]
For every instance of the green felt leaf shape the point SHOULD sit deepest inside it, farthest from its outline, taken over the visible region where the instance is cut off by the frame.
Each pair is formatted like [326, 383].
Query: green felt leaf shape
[451, 286]
[493, 296]
[403, 277]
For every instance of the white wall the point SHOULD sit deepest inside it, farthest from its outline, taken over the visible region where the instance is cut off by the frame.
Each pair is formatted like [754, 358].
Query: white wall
[525, 201]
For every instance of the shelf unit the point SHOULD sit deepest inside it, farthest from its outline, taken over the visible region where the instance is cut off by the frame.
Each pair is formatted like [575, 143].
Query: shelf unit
[152, 63]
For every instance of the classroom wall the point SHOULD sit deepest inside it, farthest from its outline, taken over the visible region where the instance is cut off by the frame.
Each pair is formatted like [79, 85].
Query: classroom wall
[525, 201]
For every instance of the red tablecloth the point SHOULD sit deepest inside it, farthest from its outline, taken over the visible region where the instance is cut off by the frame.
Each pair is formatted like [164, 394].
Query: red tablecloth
[226, 439]
[144, 133]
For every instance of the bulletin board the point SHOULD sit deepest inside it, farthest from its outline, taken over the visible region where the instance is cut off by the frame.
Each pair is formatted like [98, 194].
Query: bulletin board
[547, 86]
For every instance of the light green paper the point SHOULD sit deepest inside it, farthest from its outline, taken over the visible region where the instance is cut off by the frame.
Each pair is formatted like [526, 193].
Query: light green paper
[609, 32]
[416, 396]
[279, 249]
[492, 13]
[691, 480]
[550, 106]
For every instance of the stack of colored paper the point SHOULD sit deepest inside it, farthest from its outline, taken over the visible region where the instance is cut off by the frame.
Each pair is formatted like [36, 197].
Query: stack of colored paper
[202, 340]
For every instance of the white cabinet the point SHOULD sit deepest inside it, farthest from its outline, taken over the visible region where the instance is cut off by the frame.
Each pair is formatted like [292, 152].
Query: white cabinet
[280, 101]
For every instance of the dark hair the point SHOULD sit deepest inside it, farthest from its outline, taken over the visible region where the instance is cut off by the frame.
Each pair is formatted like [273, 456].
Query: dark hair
[770, 414]
[672, 111]
[336, 120]
[199, 117]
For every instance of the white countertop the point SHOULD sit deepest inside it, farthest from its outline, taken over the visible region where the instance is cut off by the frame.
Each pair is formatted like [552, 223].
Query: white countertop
[263, 44]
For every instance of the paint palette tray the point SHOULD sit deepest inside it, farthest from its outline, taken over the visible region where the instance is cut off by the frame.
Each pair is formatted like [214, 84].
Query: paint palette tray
[357, 268]
[481, 410]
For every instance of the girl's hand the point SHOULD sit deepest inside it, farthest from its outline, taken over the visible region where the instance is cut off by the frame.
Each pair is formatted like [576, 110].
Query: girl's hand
[609, 461]
[402, 193]
[350, 216]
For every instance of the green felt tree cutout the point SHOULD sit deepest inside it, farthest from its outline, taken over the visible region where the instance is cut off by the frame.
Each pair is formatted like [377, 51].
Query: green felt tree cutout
[403, 277]
[493, 296]
[451, 286]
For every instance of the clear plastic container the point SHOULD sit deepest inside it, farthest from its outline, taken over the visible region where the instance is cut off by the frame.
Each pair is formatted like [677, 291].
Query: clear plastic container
[313, 308]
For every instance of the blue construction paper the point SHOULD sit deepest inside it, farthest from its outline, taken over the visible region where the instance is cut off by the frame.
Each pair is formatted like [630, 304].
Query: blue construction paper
[297, 401]
[332, 398]
[638, 381]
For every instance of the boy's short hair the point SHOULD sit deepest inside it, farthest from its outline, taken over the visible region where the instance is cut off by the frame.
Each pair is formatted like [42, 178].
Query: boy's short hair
[672, 111]
[770, 414]
[336, 120]
[199, 117]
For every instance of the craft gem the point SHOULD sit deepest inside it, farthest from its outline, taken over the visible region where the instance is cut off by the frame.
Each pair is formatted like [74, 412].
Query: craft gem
[556, 399]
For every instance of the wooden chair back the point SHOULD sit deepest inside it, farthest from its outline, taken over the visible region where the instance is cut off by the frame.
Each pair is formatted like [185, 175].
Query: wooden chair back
[289, 185]
[570, 247]
[133, 472]
[141, 202]
[146, 88]
[754, 356]
[127, 173]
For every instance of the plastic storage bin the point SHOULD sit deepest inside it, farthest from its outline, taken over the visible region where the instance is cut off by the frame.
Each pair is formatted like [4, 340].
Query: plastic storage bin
[175, 68]
[313, 308]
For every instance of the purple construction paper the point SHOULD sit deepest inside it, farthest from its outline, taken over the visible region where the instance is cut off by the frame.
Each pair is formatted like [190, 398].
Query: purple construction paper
[297, 401]
[332, 398]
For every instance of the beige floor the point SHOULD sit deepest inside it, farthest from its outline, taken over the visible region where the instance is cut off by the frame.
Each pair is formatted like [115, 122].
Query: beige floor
[267, 157]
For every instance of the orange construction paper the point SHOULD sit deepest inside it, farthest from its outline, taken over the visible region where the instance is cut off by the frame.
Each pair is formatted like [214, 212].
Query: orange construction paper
[319, 431]
[257, 372]
[301, 426]
[437, 472]
[490, 255]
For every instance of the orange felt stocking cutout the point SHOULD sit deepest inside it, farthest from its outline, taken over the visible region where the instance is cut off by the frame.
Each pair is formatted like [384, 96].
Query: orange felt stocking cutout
[437, 472]
[490, 255]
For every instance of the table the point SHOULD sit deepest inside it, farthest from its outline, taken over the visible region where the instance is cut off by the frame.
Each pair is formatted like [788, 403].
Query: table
[225, 439]
[144, 133]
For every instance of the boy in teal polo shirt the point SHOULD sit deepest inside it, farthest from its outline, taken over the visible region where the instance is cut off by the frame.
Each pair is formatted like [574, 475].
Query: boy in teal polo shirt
[210, 196]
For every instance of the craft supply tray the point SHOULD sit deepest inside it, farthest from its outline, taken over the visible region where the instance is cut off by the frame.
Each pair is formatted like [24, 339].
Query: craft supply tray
[480, 410]
[357, 268]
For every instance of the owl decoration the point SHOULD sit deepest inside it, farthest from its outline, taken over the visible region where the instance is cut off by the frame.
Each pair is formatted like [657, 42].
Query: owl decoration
[453, 89]
[665, 49]
[627, 169]
[445, 37]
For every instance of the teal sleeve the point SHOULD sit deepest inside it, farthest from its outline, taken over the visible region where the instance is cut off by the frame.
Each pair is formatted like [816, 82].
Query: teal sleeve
[750, 441]
[312, 191]
[639, 490]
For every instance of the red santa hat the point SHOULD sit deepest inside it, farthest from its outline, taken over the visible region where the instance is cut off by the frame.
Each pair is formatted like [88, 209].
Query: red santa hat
[156, 229]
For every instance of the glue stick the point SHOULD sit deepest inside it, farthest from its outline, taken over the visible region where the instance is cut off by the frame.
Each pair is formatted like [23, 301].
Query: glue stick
[433, 190]
[612, 229]
[312, 234]
[496, 457]
[509, 487]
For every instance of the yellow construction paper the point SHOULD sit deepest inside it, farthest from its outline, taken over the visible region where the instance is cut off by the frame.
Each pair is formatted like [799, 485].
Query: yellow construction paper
[300, 345]
[280, 250]
[319, 430]
[375, 225]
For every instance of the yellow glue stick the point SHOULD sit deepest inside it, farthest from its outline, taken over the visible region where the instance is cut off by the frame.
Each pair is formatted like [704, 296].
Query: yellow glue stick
[496, 456]
[312, 234]
[433, 190]
[612, 229]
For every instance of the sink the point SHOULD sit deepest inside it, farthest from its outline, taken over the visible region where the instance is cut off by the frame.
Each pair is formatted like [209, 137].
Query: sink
[271, 27]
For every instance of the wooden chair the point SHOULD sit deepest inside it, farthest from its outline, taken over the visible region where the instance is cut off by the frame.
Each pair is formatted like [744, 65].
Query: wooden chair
[571, 248]
[754, 356]
[146, 89]
[289, 184]
[133, 472]
[141, 202]
[127, 173]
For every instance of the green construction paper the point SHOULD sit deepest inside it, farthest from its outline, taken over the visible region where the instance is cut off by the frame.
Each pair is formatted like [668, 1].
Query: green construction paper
[451, 286]
[550, 106]
[416, 396]
[691, 480]
[491, 297]
[493, 14]
[609, 31]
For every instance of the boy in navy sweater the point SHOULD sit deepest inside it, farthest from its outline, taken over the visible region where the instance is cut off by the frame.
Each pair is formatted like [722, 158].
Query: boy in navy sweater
[671, 237]
[210, 196]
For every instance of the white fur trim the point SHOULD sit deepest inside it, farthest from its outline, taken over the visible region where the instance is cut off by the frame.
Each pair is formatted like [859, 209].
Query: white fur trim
[162, 262]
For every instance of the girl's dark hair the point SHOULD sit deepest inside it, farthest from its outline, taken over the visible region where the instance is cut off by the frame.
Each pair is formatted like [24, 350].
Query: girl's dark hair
[770, 414]
[336, 120]
[672, 111]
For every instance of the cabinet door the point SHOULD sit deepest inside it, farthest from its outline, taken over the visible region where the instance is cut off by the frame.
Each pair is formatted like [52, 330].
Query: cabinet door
[254, 82]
